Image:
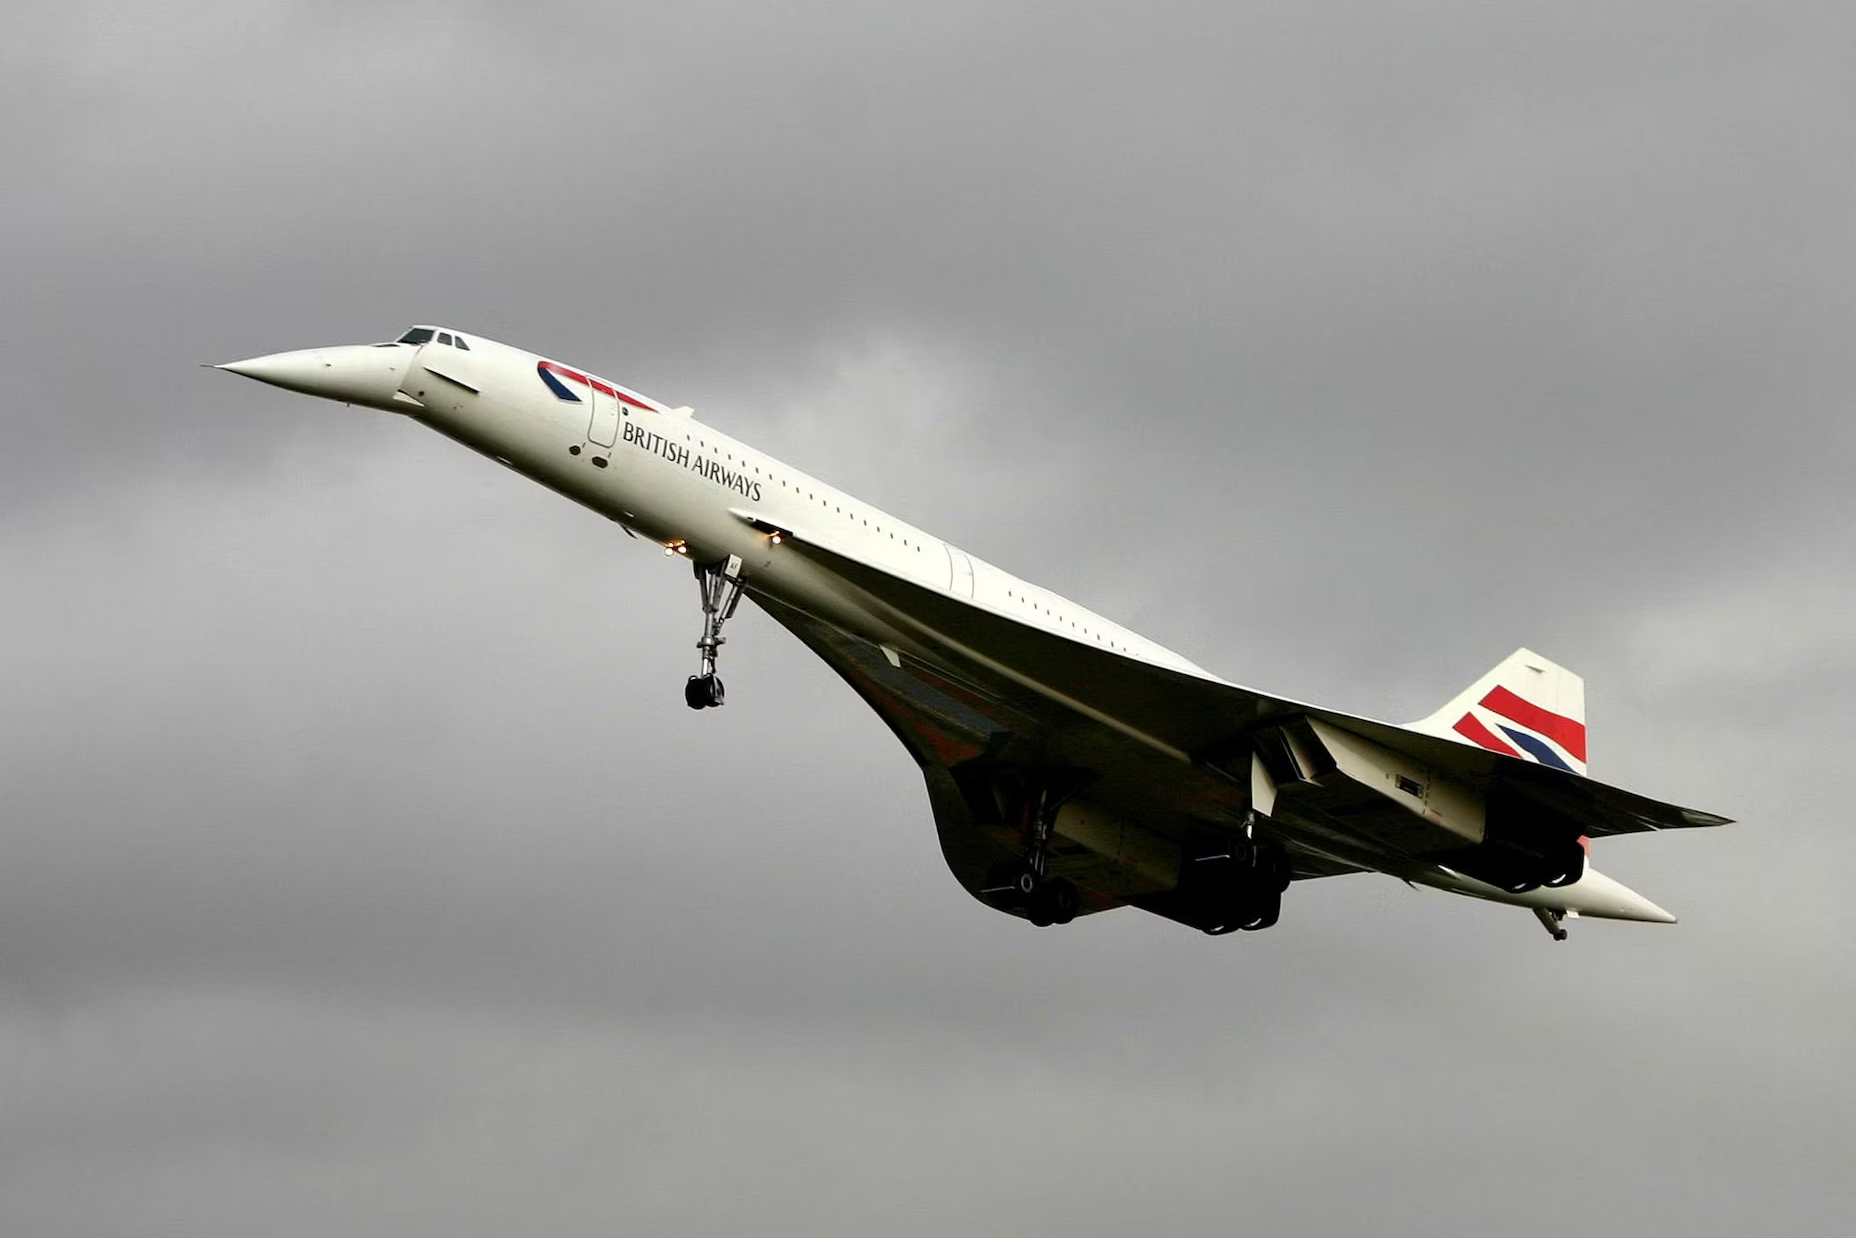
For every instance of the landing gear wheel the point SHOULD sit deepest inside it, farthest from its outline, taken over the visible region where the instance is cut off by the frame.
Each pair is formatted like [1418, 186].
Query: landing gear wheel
[1234, 884]
[1034, 893]
[1571, 870]
[702, 692]
[1060, 900]
[1267, 911]
[1051, 900]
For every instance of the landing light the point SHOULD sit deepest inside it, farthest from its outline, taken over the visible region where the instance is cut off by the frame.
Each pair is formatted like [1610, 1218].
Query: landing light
[677, 547]
[777, 539]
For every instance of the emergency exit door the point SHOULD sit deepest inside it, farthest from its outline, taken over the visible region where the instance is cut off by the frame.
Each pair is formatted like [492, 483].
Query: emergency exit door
[603, 428]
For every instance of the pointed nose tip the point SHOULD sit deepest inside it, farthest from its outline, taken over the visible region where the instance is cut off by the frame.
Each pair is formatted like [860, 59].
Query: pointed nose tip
[351, 374]
[293, 371]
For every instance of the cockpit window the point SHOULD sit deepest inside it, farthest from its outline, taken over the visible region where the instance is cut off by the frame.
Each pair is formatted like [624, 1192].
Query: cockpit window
[432, 335]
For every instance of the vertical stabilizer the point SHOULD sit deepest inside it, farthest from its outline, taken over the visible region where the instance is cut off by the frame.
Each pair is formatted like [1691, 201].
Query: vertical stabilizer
[1527, 707]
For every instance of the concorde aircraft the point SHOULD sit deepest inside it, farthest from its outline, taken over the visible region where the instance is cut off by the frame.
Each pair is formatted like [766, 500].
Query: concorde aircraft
[1073, 766]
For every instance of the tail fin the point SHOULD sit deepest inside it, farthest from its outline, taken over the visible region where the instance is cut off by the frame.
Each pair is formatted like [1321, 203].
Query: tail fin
[1526, 707]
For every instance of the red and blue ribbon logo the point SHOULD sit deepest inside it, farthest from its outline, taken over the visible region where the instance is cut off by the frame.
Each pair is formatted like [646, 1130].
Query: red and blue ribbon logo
[548, 371]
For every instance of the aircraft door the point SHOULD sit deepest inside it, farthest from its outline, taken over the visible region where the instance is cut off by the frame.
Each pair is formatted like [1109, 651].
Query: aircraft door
[603, 423]
[414, 381]
[960, 573]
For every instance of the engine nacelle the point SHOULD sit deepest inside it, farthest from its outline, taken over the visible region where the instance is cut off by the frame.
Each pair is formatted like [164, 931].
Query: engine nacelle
[1139, 859]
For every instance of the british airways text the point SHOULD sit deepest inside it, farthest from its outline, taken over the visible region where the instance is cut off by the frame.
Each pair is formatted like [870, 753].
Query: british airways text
[702, 466]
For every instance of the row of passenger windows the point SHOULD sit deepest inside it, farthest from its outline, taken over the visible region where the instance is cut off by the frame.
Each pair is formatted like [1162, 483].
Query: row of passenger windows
[839, 508]
[1040, 609]
[810, 494]
[1051, 612]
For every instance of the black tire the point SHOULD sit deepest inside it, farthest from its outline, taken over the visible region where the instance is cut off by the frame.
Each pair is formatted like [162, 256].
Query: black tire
[1061, 900]
[1281, 871]
[1572, 869]
[1264, 914]
[695, 694]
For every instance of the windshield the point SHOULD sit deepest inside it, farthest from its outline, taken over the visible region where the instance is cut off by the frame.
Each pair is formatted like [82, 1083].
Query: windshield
[418, 335]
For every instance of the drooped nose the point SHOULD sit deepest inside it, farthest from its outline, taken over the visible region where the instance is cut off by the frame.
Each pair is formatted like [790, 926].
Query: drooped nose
[367, 374]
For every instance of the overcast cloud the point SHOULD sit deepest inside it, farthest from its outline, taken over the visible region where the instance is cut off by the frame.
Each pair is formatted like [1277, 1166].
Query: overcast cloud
[363, 872]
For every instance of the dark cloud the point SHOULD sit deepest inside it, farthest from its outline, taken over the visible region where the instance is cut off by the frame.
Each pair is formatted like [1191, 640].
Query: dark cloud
[362, 867]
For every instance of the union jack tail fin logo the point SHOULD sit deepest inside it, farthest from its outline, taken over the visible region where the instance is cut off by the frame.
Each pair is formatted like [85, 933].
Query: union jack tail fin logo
[1528, 708]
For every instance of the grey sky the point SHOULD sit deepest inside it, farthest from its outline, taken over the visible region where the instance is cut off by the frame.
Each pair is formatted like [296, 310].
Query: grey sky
[364, 872]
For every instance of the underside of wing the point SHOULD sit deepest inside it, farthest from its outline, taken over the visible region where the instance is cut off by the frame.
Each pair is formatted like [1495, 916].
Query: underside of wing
[965, 711]
[1174, 762]
[947, 726]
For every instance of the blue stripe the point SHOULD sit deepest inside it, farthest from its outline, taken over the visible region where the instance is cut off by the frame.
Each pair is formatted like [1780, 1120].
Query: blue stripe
[1537, 747]
[557, 386]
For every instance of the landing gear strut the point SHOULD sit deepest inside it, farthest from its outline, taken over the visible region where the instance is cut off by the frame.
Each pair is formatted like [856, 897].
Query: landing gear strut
[721, 593]
[1034, 801]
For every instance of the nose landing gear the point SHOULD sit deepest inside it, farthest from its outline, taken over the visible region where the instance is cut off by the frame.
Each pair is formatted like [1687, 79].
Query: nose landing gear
[720, 584]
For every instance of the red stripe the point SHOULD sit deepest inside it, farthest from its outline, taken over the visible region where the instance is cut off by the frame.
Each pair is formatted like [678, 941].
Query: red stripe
[1475, 732]
[601, 387]
[1563, 731]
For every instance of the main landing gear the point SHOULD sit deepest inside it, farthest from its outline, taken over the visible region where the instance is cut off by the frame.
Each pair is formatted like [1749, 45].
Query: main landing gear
[1238, 885]
[1046, 900]
[1028, 884]
[721, 593]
